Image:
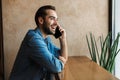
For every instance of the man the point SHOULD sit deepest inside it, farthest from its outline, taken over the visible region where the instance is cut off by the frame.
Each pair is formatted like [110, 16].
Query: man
[38, 58]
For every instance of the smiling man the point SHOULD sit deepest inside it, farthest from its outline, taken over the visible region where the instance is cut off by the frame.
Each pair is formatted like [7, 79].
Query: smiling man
[38, 58]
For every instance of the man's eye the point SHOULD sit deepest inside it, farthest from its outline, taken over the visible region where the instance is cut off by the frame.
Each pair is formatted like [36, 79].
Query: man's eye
[52, 18]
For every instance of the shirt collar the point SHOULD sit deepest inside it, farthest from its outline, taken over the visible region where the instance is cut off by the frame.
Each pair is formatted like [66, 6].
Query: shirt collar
[39, 32]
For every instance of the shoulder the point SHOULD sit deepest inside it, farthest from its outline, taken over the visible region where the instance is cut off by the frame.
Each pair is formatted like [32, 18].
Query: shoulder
[33, 34]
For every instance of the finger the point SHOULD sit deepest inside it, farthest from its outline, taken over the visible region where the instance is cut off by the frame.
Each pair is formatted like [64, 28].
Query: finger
[58, 25]
[62, 30]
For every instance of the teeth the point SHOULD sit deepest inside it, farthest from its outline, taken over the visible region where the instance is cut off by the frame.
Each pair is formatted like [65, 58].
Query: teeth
[53, 27]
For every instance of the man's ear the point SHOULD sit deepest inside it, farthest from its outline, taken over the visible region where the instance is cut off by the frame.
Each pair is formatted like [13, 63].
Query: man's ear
[40, 20]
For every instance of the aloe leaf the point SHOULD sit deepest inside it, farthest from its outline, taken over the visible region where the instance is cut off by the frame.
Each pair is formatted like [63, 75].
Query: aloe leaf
[93, 48]
[107, 46]
[101, 43]
[96, 48]
[89, 47]
[106, 58]
[103, 52]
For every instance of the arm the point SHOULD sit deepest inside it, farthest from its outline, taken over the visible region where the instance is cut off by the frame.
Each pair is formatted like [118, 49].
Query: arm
[63, 45]
[41, 55]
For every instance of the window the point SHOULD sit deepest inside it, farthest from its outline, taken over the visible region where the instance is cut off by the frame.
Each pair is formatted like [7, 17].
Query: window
[115, 31]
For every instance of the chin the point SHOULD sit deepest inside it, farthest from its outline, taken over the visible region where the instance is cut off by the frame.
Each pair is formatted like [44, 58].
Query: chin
[51, 33]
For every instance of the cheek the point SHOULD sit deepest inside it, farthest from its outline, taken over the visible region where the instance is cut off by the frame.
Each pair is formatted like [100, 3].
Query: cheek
[47, 23]
[50, 22]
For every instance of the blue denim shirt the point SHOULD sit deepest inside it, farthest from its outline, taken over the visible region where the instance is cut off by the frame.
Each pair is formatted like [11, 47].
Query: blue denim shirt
[37, 58]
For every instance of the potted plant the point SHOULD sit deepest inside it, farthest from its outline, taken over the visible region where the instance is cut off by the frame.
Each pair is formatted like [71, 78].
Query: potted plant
[105, 56]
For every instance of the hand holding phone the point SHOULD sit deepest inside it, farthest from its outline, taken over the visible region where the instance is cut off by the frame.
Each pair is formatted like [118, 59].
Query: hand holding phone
[57, 33]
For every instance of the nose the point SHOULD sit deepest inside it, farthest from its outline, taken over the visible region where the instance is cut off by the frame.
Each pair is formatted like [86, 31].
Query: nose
[55, 22]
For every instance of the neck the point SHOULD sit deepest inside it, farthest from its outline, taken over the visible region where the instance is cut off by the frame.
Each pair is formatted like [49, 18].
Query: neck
[43, 33]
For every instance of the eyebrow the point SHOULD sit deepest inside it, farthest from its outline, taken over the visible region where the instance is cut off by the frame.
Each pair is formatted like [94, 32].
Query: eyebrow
[53, 17]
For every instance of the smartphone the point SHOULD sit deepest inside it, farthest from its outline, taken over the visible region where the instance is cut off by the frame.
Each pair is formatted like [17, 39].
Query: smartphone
[57, 33]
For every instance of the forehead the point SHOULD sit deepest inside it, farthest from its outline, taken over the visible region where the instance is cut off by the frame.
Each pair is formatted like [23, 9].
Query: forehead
[51, 13]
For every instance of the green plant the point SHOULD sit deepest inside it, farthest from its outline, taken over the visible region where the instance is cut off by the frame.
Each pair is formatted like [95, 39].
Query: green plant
[105, 56]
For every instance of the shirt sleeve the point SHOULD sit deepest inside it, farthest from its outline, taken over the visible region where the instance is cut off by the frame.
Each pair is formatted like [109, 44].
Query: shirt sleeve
[55, 50]
[42, 56]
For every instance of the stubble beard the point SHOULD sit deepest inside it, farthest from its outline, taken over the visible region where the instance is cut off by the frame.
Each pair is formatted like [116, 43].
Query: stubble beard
[47, 29]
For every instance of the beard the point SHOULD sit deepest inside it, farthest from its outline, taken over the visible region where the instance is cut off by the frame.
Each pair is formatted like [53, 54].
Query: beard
[46, 29]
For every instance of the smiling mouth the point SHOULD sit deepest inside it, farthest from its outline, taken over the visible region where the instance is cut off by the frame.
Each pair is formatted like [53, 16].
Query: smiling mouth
[53, 27]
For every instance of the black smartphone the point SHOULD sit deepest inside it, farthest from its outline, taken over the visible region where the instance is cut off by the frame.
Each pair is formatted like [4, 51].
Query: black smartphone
[57, 33]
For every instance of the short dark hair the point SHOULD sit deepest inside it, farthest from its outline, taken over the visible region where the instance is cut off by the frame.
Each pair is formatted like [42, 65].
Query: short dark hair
[41, 12]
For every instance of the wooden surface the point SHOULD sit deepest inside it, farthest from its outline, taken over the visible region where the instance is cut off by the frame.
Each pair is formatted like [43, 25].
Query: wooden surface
[82, 68]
